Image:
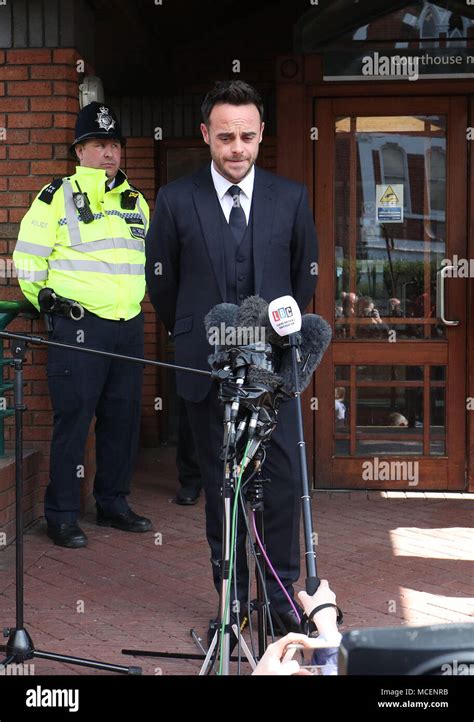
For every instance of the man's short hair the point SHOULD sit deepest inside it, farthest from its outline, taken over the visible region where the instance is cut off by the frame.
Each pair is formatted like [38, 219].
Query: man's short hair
[234, 92]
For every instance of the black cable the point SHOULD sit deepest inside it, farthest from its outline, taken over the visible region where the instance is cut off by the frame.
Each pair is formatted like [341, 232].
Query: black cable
[216, 651]
[257, 563]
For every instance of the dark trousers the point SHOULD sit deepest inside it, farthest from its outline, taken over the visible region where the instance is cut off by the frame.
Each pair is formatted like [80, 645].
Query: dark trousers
[281, 497]
[81, 385]
[189, 474]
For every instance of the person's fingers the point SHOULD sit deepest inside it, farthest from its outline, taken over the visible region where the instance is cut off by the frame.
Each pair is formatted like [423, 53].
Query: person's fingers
[291, 667]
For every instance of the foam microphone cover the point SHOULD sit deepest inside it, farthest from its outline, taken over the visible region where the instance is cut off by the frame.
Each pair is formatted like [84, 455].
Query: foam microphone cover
[223, 313]
[315, 338]
[260, 375]
[252, 312]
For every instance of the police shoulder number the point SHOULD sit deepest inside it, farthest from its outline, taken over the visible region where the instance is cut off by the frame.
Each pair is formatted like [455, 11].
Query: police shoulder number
[47, 193]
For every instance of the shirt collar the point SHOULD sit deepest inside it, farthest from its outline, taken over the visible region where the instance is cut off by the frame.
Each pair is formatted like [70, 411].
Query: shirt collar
[222, 185]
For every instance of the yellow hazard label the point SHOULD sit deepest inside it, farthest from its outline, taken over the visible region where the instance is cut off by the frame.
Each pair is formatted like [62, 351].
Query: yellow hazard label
[389, 196]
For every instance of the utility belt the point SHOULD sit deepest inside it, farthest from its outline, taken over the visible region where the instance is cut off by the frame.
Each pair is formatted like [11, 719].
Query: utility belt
[52, 304]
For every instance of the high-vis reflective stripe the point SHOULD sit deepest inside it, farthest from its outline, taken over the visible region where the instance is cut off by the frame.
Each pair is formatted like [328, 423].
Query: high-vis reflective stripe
[142, 214]
[34, 249]
[106, 244]
[129, 269]
[71, 215]
[101, 264]
[130, 217]
[31, 275]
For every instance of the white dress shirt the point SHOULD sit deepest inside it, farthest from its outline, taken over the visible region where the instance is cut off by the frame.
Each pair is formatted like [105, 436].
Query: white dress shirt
[222, 185]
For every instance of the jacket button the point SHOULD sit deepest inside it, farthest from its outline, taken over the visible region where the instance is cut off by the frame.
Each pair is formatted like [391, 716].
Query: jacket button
[240, 259]
[242, 296]
[241, 278]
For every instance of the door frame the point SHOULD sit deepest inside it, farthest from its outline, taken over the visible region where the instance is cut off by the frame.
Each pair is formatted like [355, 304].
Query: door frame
[296, 118]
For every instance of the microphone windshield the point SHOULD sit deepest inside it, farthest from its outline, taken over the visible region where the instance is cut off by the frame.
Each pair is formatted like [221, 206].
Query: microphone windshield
[218, 320]
[261, 375]
[315, 337]
[252, 312]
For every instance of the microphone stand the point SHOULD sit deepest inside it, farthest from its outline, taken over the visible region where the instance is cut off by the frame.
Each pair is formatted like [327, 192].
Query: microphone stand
[228, 491]
[228, 497]
[20, 647]
[312, 580]
[255, 497]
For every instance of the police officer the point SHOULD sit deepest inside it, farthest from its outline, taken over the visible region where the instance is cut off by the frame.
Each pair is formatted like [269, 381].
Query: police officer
[84, 237]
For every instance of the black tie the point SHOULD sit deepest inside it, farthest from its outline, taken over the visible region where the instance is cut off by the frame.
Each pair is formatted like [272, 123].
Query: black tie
[237, 219]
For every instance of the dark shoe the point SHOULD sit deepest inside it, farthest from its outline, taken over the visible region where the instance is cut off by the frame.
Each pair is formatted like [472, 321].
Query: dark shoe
[284, 622]
[187, 496]
[67, 535]
[126, 521]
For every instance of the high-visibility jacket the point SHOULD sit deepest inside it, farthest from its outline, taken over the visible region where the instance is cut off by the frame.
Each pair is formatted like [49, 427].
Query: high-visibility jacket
[98, 264]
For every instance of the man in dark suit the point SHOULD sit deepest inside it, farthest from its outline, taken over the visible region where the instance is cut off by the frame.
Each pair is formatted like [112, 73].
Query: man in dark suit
[227, 232]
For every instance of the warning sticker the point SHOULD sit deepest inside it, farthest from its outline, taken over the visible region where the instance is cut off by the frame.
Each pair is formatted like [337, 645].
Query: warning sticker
[389, 203]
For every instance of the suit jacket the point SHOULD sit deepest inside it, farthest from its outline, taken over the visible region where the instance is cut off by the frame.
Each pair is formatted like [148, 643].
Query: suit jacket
[185, 267]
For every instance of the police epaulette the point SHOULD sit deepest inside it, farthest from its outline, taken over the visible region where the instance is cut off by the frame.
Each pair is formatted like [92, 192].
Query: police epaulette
[129, 199]
[47, 193]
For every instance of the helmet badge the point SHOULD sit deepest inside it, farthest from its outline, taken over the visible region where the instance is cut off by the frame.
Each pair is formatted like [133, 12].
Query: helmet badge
[105, 120]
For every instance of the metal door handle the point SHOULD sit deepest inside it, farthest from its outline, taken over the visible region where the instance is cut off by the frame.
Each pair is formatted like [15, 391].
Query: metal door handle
[440, 276]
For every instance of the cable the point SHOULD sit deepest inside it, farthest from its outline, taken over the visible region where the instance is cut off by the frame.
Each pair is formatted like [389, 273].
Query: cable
[270, 566]
[224, 469]
[259, 571]
[232, 549]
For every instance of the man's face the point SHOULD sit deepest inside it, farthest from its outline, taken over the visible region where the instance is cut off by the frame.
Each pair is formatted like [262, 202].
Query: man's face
[100, 153]
[233, 136]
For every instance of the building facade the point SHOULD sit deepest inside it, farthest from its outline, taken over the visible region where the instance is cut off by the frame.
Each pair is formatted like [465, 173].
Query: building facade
[373, 108]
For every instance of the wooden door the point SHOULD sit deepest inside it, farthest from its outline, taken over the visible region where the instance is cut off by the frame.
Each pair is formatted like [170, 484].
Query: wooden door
[390, 201]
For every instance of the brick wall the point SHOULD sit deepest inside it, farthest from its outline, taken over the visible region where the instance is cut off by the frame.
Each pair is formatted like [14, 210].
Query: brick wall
[38, 105]
[139, 164]
[38, 108]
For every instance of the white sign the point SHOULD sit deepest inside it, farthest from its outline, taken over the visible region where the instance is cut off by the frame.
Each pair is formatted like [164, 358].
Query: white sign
[389, 203]
[285, 315]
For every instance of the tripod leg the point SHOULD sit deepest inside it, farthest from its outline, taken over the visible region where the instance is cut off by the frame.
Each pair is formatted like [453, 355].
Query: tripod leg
[87, 663]
[245, 648]
[210, 652]
[7, 661]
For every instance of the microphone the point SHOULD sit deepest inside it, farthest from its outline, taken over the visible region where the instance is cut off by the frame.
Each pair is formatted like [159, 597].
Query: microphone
[219, 321]
[261, 375]
[253, 314]
[315, 337]
[268, 383]
[313, 334]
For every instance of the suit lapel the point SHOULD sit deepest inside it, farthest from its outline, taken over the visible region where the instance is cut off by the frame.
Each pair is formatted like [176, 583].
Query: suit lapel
[263, 209]
[208, 210]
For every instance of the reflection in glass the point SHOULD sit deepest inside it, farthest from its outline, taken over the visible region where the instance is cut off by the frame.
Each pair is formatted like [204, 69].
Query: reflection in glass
[438, 419]
[438, 373]
[437, 410]
[398, 447]
[342, 373]
[386, 271]
[389, 373]
[342, 447]
[388, 411]
[341, 408]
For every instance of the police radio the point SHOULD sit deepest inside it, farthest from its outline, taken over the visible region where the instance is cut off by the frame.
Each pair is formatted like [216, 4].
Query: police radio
[81, 202]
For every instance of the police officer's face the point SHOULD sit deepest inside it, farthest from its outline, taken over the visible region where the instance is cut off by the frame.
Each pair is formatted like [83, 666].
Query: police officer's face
[100, 153]
[233, 136]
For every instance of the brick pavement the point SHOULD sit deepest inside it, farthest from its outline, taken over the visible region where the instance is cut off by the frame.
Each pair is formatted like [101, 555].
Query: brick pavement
[392, 559]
